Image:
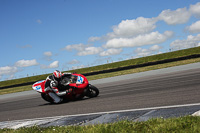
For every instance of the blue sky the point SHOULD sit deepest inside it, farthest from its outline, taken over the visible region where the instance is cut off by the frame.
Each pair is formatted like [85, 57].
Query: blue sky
[39, 36]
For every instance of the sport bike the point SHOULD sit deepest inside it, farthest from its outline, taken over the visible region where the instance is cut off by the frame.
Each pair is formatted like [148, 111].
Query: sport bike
[77, 87]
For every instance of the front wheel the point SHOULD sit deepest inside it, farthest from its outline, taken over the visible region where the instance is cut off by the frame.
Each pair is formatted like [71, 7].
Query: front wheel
[92, 91]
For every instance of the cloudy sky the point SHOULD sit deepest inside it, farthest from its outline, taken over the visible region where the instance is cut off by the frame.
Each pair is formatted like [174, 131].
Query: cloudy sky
[39, 36]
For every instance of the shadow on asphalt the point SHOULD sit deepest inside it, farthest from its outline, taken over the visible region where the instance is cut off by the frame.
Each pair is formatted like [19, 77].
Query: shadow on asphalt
[65, 101]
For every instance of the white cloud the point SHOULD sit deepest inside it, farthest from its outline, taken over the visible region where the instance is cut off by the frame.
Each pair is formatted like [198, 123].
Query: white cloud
[48, 53]
[155, 48]
[24, 46]
[142, 52]
[191, 41]
[138, 32]
[130, 28]
[74, 61]
[195, 9]
[26, 63]
[111, 51]
[78, 47]
[141, 40]
[83, 50]
[90, 51]
[146, 52]
[77, 67]
[194, 28]
[54, 64]
[93, 39]
[11, 70]
[8, 70]
[179, 16]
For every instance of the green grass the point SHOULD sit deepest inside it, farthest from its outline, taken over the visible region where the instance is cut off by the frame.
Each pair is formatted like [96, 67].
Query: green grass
[186, 124]
[143, 69]
[142, 60]
[16, 89]
[99, 76]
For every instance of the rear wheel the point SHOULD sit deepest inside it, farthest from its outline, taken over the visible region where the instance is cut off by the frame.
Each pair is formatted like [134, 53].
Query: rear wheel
[92, 91]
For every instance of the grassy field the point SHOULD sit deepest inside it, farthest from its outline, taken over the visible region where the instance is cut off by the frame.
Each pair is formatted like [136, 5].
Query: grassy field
[186, 124]
[99, 76]
[137, 61]
[16, 89]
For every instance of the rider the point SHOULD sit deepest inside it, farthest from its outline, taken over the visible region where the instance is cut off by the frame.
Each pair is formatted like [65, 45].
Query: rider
[53, 82]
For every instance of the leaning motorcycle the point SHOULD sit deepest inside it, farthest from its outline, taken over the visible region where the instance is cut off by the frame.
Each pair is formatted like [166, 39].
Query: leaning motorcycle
[78, 82]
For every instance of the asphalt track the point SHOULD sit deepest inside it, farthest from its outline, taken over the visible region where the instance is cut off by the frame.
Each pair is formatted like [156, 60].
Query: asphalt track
[162, 89]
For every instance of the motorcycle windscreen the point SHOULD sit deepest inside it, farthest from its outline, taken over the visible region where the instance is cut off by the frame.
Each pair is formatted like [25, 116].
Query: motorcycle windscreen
[39, 86]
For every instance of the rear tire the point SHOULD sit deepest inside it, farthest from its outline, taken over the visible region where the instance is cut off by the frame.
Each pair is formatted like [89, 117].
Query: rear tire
[47, 98]
[92, 91]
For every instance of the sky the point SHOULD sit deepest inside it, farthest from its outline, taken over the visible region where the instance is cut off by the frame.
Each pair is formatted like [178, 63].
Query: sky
[40, 36]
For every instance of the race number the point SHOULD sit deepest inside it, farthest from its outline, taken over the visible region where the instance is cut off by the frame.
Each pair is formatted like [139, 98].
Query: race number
[79, 80]
[38, 88]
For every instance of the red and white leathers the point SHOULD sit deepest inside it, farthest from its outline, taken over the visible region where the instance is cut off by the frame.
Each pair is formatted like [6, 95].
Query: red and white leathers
[53, 85]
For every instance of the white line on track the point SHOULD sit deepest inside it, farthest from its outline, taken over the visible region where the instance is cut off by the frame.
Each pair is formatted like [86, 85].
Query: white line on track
[118, 111]
[39, 121]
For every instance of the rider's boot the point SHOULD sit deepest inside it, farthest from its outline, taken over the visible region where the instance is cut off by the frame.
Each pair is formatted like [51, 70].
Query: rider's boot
[56, 98]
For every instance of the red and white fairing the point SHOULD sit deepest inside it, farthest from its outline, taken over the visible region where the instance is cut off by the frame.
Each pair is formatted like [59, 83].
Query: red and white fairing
[81, 84]
[39, 86]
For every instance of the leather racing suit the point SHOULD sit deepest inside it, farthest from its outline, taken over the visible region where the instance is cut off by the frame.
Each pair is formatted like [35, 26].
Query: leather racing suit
[55, 85]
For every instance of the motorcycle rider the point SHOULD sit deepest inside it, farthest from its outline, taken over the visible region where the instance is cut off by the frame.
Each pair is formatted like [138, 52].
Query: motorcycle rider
[53, 82]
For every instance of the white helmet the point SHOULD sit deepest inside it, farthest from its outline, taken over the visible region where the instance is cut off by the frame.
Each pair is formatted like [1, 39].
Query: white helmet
[57, 74]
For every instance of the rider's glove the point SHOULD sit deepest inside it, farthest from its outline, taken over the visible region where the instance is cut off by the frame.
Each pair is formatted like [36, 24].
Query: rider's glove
[54, 83]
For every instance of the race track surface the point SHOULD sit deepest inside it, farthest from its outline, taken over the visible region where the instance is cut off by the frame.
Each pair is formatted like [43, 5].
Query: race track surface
[176, 88]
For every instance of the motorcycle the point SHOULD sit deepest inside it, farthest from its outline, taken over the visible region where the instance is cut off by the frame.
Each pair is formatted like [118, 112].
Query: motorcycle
[78, 82]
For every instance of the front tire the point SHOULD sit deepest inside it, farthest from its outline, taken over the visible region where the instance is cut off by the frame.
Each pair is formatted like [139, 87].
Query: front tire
[92, 91]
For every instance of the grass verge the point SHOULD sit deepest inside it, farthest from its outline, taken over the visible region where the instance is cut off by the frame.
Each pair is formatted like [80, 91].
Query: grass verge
[16, 89]
[185, 124]
[99, 76]
[153, 58]
[143, 69]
